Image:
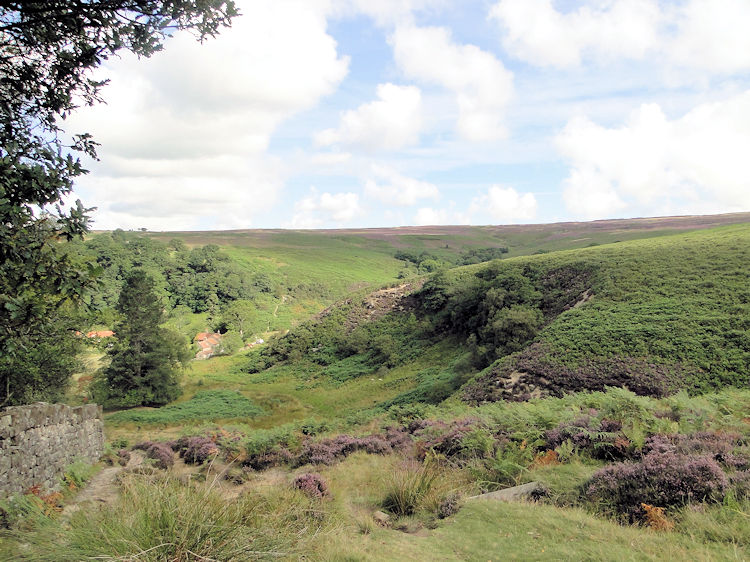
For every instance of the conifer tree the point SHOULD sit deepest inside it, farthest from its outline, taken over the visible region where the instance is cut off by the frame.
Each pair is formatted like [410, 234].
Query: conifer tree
[146, 358]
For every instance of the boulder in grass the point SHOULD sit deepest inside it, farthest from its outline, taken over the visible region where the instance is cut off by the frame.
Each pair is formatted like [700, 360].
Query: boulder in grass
[532, 491]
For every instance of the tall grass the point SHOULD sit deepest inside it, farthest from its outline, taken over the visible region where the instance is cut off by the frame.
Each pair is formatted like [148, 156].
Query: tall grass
[164, 519]
[411, 487]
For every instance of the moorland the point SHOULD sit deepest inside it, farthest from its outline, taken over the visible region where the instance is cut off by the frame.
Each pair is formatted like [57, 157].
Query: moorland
[370, 384]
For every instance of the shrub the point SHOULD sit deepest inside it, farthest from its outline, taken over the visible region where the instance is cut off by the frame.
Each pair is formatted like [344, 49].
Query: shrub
[717, 445]
[312, 484]
[740, 483]
[600, 438]
[331, 450]
[161, 453]
[195, 449]
[450, 505]
[446, 439]
[660, 479]
[543, 374]
[265, 459]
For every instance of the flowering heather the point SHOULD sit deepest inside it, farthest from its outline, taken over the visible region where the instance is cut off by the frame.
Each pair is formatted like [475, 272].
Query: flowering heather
[159, 452]
[659, 479]
[312, 484]
[450, 505]
[718, 445]
[443, 438]
[195, 449]
[740, 483]
[331, 450]
[268, 458]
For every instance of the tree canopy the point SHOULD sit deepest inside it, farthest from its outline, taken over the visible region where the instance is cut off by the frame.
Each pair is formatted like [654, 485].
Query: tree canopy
[48, 50]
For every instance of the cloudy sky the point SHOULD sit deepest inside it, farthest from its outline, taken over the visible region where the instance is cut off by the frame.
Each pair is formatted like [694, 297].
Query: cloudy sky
[364, 113]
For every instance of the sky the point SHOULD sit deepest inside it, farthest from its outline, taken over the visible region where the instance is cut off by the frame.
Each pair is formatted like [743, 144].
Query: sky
[378, 113]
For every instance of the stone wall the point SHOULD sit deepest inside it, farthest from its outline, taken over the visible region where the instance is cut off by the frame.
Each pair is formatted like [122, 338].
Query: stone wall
[38, 441]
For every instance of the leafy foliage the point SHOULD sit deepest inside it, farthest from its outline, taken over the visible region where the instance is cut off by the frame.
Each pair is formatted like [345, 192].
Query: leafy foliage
[49, 50]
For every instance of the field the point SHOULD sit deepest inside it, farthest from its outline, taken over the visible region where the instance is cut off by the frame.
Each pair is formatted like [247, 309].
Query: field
[608, 362]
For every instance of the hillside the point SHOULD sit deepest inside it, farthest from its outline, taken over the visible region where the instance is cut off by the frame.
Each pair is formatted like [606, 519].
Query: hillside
[612, 376]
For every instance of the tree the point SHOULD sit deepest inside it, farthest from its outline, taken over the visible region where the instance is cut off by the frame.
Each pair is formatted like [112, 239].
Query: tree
[48, 50]
[238, 316]
[146, 358]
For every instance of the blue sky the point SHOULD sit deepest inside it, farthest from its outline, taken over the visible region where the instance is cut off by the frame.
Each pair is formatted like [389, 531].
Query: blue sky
[354, 113]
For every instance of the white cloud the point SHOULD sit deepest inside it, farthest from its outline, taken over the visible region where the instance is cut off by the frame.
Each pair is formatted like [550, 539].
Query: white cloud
[391, 122]
[427, 216]
[707, 35]
[329, 158]
[196, 112]
[176, 201]
[392, 188]
[537, 33]
[653, 165]
[712, 35]
[388, 12]
[482, 85]
[325, 209]
[505, 204]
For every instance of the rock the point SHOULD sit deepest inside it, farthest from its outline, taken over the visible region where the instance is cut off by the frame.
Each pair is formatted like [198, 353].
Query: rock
[382, 518]
[525, 492]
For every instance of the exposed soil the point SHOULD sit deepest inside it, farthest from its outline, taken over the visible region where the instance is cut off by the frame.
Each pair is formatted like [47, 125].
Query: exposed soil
[377, 304]
[102, 488]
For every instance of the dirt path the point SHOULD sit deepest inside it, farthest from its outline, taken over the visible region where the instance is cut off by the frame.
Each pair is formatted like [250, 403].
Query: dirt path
[101, 489]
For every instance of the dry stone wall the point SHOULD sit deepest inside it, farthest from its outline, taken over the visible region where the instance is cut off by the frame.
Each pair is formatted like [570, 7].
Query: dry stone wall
[38, 441]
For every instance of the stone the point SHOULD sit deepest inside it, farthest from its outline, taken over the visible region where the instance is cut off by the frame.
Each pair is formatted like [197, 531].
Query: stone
[382, 518]
[38, 441]
[525, 492]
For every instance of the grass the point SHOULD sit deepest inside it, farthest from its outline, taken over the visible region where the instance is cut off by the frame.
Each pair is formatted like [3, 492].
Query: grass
[208, 405]
[508, 531]
[164, 519]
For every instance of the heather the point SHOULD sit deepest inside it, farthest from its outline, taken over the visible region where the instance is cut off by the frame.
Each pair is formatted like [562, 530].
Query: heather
[160, 453]
[666, 480]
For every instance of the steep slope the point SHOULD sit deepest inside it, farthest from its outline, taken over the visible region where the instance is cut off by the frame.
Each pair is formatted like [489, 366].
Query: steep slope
[652, 315]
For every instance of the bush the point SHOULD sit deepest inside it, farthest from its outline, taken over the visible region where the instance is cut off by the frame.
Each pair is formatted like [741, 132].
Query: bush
[195, 449]
[659, 479]
[311, 484]
[599, 438]
[161, 453]
[450, 505]
[331, 450]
